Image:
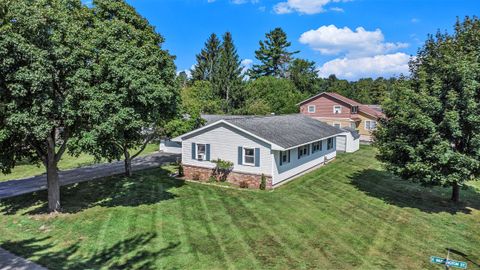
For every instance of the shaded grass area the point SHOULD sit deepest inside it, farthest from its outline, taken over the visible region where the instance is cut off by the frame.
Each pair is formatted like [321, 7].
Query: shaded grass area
[23, 170]
[348, 214]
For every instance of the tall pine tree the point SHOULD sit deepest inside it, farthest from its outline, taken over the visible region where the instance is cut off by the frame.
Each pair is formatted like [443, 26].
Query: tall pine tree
[206, 68]
[229, 81]
[274, 55]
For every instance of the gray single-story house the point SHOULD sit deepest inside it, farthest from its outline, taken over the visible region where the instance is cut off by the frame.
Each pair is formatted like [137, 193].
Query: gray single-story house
[278, 147]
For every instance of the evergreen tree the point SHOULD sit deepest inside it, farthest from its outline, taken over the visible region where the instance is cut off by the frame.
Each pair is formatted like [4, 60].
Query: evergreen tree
[229, 80]
[431, 133]
[206, 68]
[274, 55]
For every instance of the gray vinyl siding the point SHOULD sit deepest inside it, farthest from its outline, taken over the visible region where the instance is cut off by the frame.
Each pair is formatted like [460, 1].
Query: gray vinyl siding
[297, 166]
[224, 142]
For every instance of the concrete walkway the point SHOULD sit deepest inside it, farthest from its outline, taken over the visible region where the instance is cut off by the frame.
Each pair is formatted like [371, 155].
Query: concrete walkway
[22, 186]
[9, 261]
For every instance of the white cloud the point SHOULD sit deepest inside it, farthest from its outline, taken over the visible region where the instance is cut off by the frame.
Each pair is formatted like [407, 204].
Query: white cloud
[303, 6]
[330, 40]
[337, 9]
[387, 65]
[246, 65]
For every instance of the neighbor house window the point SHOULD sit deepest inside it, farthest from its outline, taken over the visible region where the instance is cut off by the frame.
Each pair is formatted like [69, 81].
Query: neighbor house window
[311, 108]
[201, 150]
[353, 125]
[316, 146]
[337, 125]
[337, 109]
[329, 143]
[302, 151]
[370, 125]
[248, 156]
[355, 109]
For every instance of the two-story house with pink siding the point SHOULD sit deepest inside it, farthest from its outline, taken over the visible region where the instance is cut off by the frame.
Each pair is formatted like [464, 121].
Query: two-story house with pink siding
[342, 112]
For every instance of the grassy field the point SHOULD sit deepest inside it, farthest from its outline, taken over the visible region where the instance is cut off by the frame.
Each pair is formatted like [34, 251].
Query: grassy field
[67, 162]
[349, 214]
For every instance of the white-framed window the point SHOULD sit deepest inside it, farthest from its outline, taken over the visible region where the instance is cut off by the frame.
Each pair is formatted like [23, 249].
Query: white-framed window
[284, 157]
[354, 109]
[329, 143]
[311, 108]
[249, 156]
[337, 125]
[337, 109]
[370, 125]
[201, 151]
[316, 146]
[302, 151]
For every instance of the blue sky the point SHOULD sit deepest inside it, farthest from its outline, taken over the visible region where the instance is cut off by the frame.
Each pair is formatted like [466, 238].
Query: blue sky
[351, 38]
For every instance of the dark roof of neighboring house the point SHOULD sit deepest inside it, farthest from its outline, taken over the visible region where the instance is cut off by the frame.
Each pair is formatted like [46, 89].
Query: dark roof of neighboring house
[211, 118]
[373, 110]
[286, 131]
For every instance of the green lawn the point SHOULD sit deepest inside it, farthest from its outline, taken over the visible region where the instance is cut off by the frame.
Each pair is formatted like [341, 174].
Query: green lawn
[348, 214]
[67, 162]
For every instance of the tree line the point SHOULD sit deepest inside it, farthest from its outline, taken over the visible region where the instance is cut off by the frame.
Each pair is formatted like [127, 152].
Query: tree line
[275, 85]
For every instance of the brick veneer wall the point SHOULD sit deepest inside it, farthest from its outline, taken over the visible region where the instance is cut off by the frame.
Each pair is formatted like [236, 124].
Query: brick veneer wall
[236, 178]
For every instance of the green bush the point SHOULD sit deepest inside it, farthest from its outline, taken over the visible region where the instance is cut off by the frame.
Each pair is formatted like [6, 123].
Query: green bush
[263, 182]
[180, 171]
[222, 169]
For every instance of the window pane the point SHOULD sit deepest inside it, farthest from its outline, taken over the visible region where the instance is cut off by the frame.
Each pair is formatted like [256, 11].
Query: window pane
[249, 159]
[249, 152]
[201, 148]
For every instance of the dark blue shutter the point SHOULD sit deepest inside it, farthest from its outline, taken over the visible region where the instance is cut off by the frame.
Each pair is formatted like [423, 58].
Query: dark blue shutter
[281, 157]
[257, 157]
[207, 150]
[288, 156]
[194, 149]
[240, 156]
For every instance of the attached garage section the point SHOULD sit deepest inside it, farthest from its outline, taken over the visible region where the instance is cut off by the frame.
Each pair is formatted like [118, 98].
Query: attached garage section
[348, 141]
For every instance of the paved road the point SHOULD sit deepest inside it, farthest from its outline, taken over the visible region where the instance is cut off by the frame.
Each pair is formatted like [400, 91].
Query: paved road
[9, 261]
[17, 187]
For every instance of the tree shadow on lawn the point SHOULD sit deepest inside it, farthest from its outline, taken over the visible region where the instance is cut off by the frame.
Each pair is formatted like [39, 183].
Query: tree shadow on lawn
[393, 190]
[143, 188]
[131, 253]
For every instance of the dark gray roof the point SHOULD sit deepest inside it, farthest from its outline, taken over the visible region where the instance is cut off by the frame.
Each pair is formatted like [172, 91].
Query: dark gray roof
[211, 118]
[352, 131]
[284, 130]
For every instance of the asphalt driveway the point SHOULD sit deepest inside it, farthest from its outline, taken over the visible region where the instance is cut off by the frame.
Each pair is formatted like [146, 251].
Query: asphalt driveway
[22, 186]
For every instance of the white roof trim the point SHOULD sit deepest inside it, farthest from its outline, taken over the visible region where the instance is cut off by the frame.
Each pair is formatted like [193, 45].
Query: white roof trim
[222, 121]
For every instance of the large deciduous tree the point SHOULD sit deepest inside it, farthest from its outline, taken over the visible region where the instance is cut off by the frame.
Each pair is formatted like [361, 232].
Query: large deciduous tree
[135, 81]
[44, 94]
[271, 95]
[432, 130]
[273, 55]
[304, 75]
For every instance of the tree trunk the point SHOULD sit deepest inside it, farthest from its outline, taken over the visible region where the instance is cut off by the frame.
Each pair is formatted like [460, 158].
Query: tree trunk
[53, 183]
[455, 192]
[128, 163]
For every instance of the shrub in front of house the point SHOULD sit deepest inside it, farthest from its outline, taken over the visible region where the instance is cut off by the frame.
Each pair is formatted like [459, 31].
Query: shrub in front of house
[222, 169]
[263, 182]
